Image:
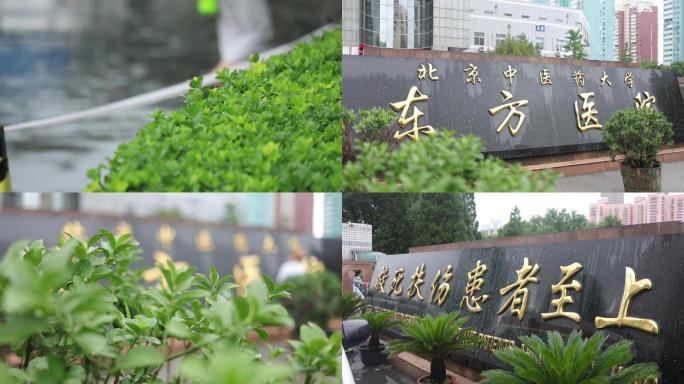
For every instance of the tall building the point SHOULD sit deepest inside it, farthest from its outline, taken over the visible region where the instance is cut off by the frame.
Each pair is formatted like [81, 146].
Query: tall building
[545, 25]
[636, 29]
[673, 31]
[332, 215]
[356, 238]
[405, 24]
[654, 208]
[601, 17]
[613, 197]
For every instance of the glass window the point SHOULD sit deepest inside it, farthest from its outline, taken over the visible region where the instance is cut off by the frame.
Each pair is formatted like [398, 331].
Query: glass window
[560, 45]
[479, 38]
[500, 38]
[397, 23]
[539, 43]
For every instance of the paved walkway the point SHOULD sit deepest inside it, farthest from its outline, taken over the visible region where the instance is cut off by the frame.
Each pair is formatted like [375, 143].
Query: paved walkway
[672, 180]
[382, 374]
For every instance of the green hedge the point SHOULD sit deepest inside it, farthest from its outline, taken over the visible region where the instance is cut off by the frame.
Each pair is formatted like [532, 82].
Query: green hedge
[273, 127]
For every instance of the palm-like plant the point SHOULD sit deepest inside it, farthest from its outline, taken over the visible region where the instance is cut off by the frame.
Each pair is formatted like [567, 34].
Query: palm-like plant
[576, 361]
[378, 322]
[435, 338]
[351, 304]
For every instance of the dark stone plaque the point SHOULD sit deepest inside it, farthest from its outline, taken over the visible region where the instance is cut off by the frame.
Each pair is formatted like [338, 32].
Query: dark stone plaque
[602, 277]
[224, 254]
[550, 125]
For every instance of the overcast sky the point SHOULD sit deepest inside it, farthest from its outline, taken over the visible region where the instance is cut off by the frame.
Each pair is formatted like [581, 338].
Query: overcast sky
[494, 209]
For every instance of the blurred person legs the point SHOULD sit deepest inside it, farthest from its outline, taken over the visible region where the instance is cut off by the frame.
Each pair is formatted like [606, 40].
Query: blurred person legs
[243, 27]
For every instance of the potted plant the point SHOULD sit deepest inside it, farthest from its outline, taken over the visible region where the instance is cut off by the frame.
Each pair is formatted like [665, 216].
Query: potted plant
[576, 361]
[434, 338]
[638, 135]
[372, 353]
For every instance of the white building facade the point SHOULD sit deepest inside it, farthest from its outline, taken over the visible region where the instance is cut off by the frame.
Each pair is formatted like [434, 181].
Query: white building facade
[544, 25]
[356, 237]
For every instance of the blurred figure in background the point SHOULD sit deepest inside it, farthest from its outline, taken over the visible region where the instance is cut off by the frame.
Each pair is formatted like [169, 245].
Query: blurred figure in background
[357, 285]
[243, 27]
[294, 267]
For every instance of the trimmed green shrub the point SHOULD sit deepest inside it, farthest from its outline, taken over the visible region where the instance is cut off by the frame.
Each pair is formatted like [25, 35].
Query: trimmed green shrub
[78, 313]
[274, 127]
[315, 298]
[638, 135]
[573, 362]
[441, 163]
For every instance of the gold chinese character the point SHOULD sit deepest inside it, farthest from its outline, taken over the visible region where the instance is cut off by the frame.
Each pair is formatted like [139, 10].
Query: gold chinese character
[404, 106]
[473, 75]
[269, 246]
[564, 299]
[441, 291]
[475, 282]
[314, 265]
[579, 78]
[203, 241]
[430, 72]
[587, 120]
[122, 228]
[512, 111]
[161, 258]
[632, 287]
[394, 285]
[510, 74]
[518, 304]
[73, 228]
[246, 270]
[645, 101]
[240, 243]
[629, 79]
[416, 282]
[604, 80]
[382, 277]
[166, 235]
[545, 77]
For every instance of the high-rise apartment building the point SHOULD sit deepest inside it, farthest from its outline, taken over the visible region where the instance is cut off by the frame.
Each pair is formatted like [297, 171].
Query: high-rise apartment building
[356, 237]
[636, 29]
[673, 31]
[654, 208]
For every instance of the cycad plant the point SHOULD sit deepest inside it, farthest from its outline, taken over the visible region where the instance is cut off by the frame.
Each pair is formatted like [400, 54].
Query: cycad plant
[435, 338]
[378, 322]
[351, 304]
[576, 361]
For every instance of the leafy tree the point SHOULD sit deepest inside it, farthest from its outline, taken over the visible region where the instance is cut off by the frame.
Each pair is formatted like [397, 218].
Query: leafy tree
[553, 221]
[573, 362]
[610, 221]
[471, 210]
[678, 68]
[517, 46]
[515, 225]
[441, 163]
[575, 44]
[388, 213]
[626, 54]
[439, 218]
[403, 220]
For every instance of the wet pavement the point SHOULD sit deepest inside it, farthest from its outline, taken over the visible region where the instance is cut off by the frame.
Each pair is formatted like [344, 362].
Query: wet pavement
[385, 373]
[63, 56]
[672, 180]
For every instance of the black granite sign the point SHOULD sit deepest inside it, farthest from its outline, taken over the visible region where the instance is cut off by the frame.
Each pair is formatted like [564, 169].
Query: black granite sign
[230, 248]
[518, 109]
[522, 290]
[4, 161]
